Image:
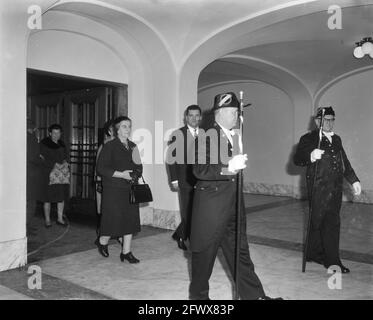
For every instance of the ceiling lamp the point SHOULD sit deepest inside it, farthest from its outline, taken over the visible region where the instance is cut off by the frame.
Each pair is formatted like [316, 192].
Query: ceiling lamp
[364, 47]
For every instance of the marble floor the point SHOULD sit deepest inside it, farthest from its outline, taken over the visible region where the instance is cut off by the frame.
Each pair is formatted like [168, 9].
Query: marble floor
[72, 268]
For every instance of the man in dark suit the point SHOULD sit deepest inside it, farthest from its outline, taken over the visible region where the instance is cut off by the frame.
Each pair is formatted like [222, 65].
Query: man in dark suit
[182, 178]
[214, 205]
[325, 197]
[34, 163]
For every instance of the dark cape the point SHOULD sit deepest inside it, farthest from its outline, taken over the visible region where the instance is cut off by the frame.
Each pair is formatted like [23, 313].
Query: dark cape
[325, 197]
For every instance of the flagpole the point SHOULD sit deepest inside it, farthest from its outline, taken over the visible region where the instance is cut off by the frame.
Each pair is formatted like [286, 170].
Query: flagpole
[309, 224]
[238, 204]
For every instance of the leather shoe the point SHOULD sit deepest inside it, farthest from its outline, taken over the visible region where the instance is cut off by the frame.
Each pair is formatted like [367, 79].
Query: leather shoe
[180, 242]
[343, 268]
[319, 261]
[269, 298]
[129, 257]
[102, 249]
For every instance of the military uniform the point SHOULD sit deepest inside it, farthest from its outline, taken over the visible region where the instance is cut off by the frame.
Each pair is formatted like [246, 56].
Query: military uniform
[326, 196]
[214, 218]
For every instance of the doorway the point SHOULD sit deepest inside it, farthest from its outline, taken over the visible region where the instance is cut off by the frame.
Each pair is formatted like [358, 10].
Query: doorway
[81, 107]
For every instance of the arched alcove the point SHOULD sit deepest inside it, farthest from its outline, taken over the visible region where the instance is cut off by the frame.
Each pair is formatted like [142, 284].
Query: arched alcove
[354, 114]
[75, 54]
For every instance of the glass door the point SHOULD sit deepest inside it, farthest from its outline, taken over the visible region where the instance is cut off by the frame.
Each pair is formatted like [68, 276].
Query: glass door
[83, 149]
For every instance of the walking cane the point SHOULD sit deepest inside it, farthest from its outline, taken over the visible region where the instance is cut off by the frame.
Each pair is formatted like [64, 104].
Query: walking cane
[239, 199]
[305, 247]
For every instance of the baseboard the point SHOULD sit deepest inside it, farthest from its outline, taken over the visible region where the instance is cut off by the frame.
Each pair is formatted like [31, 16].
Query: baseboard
[301, 192]
[165, 219]
[13, 254]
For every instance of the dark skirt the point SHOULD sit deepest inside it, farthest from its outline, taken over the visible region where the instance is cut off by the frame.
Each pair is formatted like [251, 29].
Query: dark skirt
[54, 193]
[51, 193]
[119, 217]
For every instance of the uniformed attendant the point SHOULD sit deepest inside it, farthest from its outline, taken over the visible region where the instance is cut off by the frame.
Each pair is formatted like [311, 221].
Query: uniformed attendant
[325, 197]
[214, 205]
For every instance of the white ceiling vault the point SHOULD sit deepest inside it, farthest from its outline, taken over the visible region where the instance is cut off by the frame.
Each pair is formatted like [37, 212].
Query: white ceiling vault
[270, 40]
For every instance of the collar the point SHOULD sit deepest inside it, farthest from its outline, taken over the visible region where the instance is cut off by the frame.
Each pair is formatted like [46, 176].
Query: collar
[193, 130]
[228, 133]
[328, 135]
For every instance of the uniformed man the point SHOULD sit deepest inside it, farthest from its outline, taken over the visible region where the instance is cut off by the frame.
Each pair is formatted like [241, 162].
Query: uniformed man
[325, 197]
[214, 205]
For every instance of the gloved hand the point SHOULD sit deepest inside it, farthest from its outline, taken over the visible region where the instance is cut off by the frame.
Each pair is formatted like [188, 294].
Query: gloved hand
[357, 188]
[316, 154]
[238, 162]
[175, 184]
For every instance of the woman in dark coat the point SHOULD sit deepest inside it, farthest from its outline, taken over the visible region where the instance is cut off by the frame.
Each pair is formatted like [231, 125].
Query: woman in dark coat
[118, 164]
[53, 151]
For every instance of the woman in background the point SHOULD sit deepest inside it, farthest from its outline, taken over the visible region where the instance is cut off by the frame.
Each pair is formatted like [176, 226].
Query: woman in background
[53, 152]
[119, 164]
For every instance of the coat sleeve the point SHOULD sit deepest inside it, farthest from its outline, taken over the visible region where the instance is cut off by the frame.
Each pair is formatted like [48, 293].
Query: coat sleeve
[137, 160]
[348, 172]
[33, 152]
[104, 162]
[302, 156]
[208, 169]
[172, 164]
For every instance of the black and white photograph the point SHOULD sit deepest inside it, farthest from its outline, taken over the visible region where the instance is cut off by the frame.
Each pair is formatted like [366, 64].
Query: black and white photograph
[177, 152]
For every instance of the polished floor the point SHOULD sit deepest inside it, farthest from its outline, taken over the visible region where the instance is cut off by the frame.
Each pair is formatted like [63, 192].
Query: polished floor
[72, 268]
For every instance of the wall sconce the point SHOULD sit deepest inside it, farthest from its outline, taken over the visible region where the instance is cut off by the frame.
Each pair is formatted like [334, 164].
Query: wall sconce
[364, 47]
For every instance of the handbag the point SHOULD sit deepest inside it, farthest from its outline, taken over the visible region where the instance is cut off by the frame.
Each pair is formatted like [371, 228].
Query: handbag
[140, 193]
[59, 175]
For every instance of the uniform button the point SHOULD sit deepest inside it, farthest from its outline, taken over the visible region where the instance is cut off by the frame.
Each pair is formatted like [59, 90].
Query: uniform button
[233, 179]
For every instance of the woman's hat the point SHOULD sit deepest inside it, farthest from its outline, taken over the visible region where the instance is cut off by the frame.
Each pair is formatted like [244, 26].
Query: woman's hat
[120, 119]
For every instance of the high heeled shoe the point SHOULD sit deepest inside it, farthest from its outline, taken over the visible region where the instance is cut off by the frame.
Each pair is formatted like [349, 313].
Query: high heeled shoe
[102, 248]
[129, 257]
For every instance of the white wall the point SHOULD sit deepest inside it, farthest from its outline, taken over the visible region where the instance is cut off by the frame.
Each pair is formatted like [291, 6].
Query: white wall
[74, 54]
[13, 31]
[352, 100]
[268, 130]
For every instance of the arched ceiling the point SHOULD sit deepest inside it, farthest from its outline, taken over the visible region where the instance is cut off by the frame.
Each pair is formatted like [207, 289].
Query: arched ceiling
[299, 43]
[307, 48]
[180, 24]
